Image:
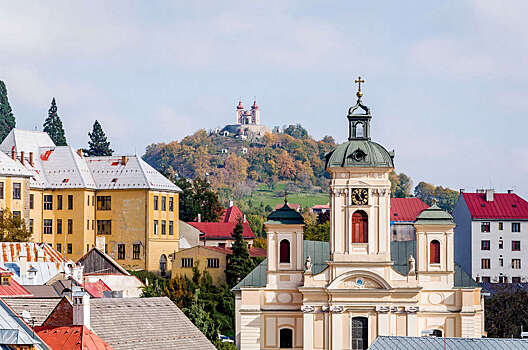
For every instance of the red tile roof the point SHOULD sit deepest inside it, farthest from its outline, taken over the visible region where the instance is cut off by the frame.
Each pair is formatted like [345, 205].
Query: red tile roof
[14, 288]
[406, 209]
[71, 338]
[220, 230]
[232, 214]
[504, 206]
[253, 251]
[321, 206]
[96, 289]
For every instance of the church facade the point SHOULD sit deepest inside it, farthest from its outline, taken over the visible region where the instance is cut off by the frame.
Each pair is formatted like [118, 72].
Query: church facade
[345, 293]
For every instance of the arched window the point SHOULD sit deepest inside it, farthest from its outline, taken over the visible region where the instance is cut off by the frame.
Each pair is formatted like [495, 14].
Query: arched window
[286, 338]
[163, 264]
[434, 252]
[359, 333]
[360, 130]
[359, 227]
[285, 251]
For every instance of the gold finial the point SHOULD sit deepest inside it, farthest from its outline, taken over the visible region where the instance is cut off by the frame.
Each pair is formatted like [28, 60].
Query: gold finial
[359, 81]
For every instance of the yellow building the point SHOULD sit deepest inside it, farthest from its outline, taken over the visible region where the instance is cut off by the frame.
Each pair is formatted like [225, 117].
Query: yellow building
[117, 203]
[345, 293]
[14, 186]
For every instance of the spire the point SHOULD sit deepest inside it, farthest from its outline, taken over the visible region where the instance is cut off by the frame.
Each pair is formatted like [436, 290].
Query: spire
[254, 104]
[240, 105]
[359, 123]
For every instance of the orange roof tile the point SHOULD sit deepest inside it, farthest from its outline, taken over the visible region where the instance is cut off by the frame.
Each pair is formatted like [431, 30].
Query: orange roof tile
[71, 338]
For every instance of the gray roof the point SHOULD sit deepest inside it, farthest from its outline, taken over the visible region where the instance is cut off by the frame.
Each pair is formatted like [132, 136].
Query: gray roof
[434, 215]
[43, 291]
[14, 331]
[144, 324]
[39, 308]
[372, 154]
[320, 253]
[286, 216]
[189, 235]
[434, 343]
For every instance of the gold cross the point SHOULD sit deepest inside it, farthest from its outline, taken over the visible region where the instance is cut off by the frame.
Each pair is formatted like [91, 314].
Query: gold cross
[359, 81]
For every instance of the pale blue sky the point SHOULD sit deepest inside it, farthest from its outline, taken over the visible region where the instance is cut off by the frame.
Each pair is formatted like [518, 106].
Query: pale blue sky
[446, 80]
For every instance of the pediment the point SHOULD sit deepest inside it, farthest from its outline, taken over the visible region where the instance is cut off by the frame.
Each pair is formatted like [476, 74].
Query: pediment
[359, 279]
[359, 183]
[359, 282]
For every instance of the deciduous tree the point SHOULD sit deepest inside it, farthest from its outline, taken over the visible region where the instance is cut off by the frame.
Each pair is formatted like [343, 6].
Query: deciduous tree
[13, 228]
[197, 197]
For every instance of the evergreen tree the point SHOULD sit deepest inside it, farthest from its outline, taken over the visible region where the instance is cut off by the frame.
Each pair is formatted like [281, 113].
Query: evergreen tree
[99, 145]
[239, 263]
[7, 119]
[53, 126]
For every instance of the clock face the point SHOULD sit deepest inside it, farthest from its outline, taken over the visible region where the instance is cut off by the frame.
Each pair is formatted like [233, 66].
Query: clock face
[359, 196]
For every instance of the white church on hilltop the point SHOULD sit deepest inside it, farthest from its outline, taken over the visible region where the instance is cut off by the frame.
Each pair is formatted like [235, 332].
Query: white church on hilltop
[345, 293]
[247, 123]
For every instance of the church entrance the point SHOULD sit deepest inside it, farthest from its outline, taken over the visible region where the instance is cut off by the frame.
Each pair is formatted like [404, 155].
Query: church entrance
[359, 227]
[359, 333]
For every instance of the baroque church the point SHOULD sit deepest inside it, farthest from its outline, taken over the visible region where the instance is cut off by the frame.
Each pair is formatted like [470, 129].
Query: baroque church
[345, 293]
[247, 123]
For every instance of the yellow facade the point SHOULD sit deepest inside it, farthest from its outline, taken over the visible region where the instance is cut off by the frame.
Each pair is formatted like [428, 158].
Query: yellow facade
[206, 259]
[14, 195]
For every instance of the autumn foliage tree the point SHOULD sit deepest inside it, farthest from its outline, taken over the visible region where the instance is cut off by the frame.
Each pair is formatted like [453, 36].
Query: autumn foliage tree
[13, 228]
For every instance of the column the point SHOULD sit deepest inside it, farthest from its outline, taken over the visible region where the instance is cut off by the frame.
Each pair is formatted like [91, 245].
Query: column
[383, 320]
[412, 321]
[308, 323]
[337, 327]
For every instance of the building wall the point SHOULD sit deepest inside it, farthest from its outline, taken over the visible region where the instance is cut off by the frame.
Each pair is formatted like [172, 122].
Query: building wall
[200, 255]
[8, 202]
[463, 236]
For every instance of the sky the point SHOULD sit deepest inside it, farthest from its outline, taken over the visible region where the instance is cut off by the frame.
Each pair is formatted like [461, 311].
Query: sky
[446, 81]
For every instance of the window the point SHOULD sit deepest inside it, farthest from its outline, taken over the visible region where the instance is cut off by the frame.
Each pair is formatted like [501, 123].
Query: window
[48, 202]
[155, 202]
[434, 248]
[17, 190]
[2, 190]
[187, 262]
[87, 224]
[59, 202]
[104, 227]
[501, 226]
[70, 248]
[70, 226]
[516, 227]
[359, 333]
[501, 262]
[213, 263]
[285, 251]
[163, 227]
[121, 251]
[31, 201]
[104, 202]
[155, 227]
[485, 245]
[163, 264]
[48, 226]
[516, 280]
[286, 338]
[171, 204]
[70, 202]
[59, 226]
[87, 248]
[485, 264]
[171, 227]
[486, 279]
[31, 225]
[360, 227]
[93, 224]
[516, 263]
[516, 246]
[501, 244]
[163, 203]
[136, 249]
[503, 279]
[59, 247]
[5, 281]
[485, 227]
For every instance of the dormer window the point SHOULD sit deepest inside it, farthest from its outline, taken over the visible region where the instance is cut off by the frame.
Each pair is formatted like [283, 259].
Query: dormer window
[6, 281]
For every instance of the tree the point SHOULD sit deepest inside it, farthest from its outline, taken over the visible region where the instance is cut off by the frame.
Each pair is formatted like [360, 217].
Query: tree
[200, 317]
[197, 197]
[296, 131]
[425, 192]
[7, 119]
[401, 185]
[446, 198]
[98, 144]
[506, 311]
[53, 126]
[13, 228]
[239, 263]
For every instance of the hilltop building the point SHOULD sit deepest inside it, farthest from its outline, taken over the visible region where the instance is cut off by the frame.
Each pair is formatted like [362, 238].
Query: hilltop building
[491, 236]
[247, 123]
[345, 293]
[74, 203]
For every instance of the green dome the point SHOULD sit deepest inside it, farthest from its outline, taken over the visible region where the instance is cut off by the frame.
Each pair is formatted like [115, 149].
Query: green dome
[285, 215]
[359, 153]
[435, 216]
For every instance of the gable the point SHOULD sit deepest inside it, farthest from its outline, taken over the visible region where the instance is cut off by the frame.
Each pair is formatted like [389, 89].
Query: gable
[97, 262]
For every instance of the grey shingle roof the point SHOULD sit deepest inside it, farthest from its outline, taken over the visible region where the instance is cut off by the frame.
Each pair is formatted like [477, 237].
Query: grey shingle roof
[14, 331]
[144, 324]
[430, 343]
[39, 308]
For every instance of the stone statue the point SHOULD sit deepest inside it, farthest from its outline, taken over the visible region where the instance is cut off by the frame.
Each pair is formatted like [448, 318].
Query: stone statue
[308, 265]
[412, 267]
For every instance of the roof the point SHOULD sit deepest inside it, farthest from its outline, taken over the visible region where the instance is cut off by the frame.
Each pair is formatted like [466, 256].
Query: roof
[253, 251]
[71, 338]
[144, 324]
[98, 262]
[26, 141]
[189, 235]
[232, 214]
[43, 291]
[321, 206]
[294, 206]
[221, 230]
[39, 308]
[285, 215]
[13, 288]
[359, 153]
[406, 209]
[10, 167]
[96, 289]
[504, 206]
[14, 331]
[434, 216]
[319, 252]
[434, 343]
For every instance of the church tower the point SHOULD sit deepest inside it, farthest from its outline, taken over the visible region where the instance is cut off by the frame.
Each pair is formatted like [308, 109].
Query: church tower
[359, 194]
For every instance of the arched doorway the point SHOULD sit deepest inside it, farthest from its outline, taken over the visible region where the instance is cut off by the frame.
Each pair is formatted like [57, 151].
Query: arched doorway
[286, 338]
[359, 333]
[284, 251]
[163, 264]
[359, 227]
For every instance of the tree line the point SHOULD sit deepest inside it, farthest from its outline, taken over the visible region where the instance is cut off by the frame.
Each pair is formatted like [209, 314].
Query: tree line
[98, 144]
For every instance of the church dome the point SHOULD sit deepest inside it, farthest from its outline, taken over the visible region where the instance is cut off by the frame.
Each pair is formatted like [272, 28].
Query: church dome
[435, 216]
[285, 215]
[359, 153]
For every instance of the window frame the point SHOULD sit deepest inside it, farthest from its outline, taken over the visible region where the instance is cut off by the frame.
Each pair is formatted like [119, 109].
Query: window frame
[59, 202]
[17, 190]
[485, 227]
[2, 189]
[70, 202]
[69, 248]
[285, 251]
[516, 227]
[136, 251]
[435, 254]
[485, 263]
[47, 226]
[171, 228]
[213, 263]
[104, 227]
[104, 203]
[48, 202]
[163, 203]
[58, 226]
[171, 203]
[70, 226]
[155, 203]
[516, 263]
[187, 263]
[121, 251]
[516, 246]
[485, 244]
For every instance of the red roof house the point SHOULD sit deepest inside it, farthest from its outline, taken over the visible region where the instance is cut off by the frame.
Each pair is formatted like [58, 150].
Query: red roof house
[253, 251]
[221, 230]
[232, 214]
[96, 289]
[406, 209]
[9, 287]
[71, 338]
[505, 206]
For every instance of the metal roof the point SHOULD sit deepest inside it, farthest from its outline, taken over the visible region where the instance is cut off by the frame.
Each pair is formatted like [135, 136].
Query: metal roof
[286, 216]
[11, 167]
[14, 331]
[39, 308]
[72, 338]
[435, 343]
[434, 216]
[359, 153]
[506, 206]
[406, 209]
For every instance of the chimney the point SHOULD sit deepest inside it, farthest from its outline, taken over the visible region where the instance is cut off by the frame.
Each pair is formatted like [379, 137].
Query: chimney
[199, 217]
[81, 307]
[462, 190]
[80, 152]
[231, 204]
[22, 157]
[244, 217]
[31, 158]
[124, 160]
[489, 195]
[13, 154]
[510, 191]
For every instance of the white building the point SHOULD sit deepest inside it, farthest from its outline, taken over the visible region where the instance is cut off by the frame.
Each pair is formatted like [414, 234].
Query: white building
[491, 236]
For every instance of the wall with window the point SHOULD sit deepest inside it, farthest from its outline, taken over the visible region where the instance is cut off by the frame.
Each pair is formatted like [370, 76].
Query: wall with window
[14, 195]
[207, 259]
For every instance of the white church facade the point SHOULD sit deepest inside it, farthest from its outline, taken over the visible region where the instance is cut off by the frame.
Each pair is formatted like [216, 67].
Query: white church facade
[345, 293]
